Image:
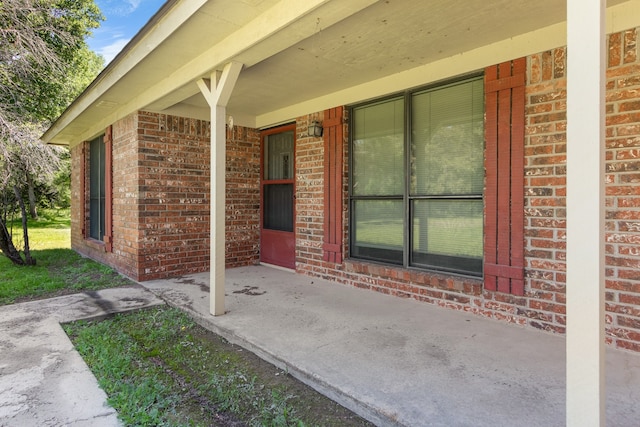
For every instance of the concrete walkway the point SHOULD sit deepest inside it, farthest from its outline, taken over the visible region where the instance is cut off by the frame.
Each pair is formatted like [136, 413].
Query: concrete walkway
[393, 361]
[400, 362]
[43, 380]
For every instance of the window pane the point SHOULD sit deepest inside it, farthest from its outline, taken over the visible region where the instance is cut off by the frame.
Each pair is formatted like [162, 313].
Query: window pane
[448, 140]
[94, 219]
[448, 234]
[278, 207]
[96, 188]
[378, 149]
[378, 230]
[278, 157]
[96, 168]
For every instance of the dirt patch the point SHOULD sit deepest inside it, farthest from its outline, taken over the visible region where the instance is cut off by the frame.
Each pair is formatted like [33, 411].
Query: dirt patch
[203, 286]
[198, 377]
[197, 398]
[250, 290]
[310, 405]
[64, 292]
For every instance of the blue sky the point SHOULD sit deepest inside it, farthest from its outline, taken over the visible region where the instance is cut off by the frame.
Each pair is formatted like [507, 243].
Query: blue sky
[124, 18]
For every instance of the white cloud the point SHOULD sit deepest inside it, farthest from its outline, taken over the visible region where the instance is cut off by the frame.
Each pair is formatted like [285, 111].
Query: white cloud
[134, 4]
[120, 7]
[123, 19]
[108, 32]
[111, 50]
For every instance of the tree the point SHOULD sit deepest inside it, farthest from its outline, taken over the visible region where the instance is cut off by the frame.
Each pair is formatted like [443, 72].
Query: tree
[44, 64]
[44, 59]
[25, 157]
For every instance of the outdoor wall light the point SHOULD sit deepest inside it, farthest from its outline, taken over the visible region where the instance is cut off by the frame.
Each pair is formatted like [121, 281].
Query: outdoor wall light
[315, 129]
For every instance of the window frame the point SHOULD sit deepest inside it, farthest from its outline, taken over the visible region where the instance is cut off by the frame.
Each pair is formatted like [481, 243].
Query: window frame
[408, 198]
[101, 199]
[105, 240]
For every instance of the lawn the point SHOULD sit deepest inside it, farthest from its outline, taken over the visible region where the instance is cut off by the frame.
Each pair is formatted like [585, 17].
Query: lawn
[58, 270]
[160, 368]
[52, 230]
[156, 365]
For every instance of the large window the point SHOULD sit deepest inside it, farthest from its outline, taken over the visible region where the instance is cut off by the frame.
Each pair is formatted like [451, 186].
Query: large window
[97, 157]
[417, 178]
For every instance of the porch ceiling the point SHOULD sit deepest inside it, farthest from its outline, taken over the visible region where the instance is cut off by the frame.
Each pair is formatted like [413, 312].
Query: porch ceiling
[384, 39]
[293, 52]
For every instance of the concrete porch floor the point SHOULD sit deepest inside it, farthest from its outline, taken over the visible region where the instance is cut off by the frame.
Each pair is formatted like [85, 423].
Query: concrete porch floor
[396, 361]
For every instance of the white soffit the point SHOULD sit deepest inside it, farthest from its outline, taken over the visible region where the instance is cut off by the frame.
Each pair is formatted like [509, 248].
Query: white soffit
[302, 57]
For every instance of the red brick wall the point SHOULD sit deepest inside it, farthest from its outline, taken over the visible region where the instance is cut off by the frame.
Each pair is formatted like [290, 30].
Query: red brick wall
[545, 189]
[125, 196]
[543, 305]
[173, 168]
[125, 214]
[546, 146]
[243, 197]
[623, 191]
[309, 174]
[161, 197]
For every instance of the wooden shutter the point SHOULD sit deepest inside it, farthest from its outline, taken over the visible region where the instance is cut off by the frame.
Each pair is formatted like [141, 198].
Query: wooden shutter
[108, 190]
[333, 167]
[504, 165]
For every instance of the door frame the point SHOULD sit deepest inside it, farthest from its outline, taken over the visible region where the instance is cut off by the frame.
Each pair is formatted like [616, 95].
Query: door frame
[275, 233]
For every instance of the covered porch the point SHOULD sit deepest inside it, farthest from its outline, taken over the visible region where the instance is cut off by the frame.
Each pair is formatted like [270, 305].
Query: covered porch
[259, 64]
[397, 361]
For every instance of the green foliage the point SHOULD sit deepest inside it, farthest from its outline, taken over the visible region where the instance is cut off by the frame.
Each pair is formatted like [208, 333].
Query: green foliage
[49, 220]
[159, 368]
[56, 192]
[144, 360]
[44, 59]
[46, 95]
[50, 231]
[44, 64]
[62, 184]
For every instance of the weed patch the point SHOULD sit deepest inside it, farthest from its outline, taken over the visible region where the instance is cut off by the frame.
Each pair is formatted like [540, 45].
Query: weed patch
[160, 368]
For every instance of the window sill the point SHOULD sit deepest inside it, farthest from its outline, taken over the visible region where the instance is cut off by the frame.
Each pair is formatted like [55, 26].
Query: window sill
[355, 263]
[95, 244]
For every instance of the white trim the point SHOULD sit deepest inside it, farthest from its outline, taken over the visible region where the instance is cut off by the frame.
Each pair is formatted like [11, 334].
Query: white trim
[277, 267]
[161, 26]
[217, 92]
[586, 81]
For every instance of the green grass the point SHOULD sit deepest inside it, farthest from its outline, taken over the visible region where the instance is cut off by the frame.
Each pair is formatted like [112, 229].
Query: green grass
[453, 236]
[57, 272]
[159, 368]
[52, 230]
[58, 269]
[460, 236]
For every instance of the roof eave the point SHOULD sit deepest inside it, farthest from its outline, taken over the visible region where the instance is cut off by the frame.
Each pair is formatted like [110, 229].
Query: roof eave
[126, 59]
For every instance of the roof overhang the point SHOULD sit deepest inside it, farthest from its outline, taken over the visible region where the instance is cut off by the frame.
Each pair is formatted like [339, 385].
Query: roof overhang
[304, 56]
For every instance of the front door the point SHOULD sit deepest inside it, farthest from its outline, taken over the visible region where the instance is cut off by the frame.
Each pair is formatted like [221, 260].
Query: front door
[277, 240]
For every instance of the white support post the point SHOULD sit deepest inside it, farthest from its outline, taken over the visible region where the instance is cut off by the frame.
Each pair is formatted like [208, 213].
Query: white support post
[217, 94]
[586, 80]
